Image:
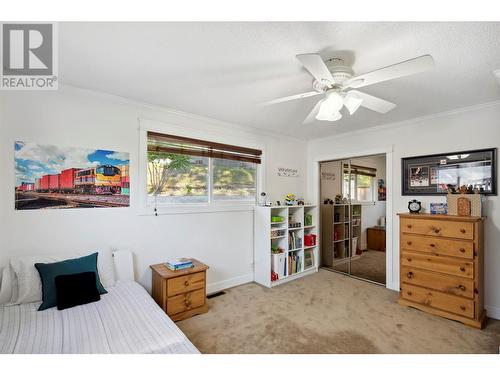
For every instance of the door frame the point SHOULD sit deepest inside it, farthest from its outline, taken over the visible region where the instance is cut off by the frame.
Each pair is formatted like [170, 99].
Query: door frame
[391, 259]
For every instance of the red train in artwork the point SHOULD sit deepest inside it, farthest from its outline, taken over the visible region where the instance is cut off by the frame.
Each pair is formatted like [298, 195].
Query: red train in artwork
[103, 179]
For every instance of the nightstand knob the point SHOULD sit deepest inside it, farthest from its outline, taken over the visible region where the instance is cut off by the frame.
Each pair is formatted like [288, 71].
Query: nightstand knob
[462, 250]
[187, 303]
[409, 243]
[409, 226]
[409, 293]
[432, 245]
[462, 307]
[461, 287]
[409, 275]
[186, 283]
[462, 230]
[462, 268]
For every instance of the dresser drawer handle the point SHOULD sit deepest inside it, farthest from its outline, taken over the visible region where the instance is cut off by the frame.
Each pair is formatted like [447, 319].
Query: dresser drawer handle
[409, 243]
[462, 268]
[409, 275]
[462, 250]
[462, 307]
[462, 230]
[437, 230]
[408, 259]
[432, 245]
[187, 302]
[409, 293]
[186, 283]
[461, 287]
[409, 226]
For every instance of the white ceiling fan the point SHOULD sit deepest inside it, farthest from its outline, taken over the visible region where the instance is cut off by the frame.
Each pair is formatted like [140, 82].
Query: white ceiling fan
[336, 82]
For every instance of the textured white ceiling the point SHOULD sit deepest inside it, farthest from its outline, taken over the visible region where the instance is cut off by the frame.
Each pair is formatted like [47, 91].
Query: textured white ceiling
[222, 70]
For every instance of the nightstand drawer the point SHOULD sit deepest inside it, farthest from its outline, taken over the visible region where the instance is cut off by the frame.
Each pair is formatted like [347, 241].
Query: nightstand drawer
[439, 228]
[440, 246]
[183, 284]
[185, 302]
[449, 266]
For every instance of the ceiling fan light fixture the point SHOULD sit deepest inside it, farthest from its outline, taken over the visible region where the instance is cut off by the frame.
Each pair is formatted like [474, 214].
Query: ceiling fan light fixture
[335, 116]
[329, 109]
[352, 102]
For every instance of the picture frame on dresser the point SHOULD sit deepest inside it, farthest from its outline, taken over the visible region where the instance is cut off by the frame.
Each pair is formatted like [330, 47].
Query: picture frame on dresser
[435, 174]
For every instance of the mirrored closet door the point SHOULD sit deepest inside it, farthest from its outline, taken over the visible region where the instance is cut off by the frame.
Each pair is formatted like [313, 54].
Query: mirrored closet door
[353, 217]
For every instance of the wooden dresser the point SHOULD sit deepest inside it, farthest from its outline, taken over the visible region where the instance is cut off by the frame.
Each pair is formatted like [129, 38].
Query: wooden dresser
[441, 262]
[181, 294]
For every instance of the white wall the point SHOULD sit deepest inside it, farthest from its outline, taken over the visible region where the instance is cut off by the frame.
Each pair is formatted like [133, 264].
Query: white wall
[467, 129]
[73, 117]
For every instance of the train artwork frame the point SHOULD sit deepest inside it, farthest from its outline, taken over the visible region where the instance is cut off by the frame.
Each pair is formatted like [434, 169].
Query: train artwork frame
[53, 177]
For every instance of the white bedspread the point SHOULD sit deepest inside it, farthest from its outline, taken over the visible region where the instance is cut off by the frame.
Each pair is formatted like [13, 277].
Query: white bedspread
[125, 320]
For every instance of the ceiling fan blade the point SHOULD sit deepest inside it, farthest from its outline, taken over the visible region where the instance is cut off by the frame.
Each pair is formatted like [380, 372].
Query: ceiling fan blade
[315, 65]
[312, 115]
[374, 103]
[405, 68]
[291, 97]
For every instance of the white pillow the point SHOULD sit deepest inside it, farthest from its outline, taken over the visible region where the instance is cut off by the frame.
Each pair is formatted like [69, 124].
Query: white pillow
[6, 286]
[105, 267]
[29, 286]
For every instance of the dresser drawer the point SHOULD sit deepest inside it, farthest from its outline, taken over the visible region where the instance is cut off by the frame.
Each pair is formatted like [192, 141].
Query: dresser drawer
[438, 264]
[452, 229]
[182, 284]
[185, 302]
[440, 246]
[442, 301]
[447, 284]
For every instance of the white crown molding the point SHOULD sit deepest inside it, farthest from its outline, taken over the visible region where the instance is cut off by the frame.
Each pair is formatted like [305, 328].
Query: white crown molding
[77, 90]
[411, 121]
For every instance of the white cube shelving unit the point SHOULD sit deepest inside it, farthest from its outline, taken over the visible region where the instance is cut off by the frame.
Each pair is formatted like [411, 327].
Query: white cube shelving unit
[265, 241]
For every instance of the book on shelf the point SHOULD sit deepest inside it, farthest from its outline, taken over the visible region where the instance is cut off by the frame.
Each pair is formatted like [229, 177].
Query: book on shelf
[294, 241]
[294, 264]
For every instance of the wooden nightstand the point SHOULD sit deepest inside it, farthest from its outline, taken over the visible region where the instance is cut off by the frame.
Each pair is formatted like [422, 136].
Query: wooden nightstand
[181, 294]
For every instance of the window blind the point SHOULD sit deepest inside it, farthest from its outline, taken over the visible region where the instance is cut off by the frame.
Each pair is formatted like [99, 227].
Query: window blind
[173, 144]
[357, 169]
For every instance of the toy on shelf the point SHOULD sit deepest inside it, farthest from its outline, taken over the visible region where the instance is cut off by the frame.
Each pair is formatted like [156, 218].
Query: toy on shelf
[290, 199]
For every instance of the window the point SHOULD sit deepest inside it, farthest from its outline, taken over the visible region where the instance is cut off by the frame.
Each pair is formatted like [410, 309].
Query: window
[184, 170]
[361, 183]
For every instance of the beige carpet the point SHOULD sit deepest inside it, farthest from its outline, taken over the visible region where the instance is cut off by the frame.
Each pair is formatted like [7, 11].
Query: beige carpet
[328, 313]
[370, 266]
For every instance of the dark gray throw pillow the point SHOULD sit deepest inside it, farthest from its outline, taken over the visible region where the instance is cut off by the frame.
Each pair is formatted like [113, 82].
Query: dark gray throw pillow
[76, 289]
[49, 271]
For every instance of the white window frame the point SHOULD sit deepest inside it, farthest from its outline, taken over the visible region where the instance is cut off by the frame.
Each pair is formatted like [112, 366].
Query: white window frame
[147, 208]
[354, 194]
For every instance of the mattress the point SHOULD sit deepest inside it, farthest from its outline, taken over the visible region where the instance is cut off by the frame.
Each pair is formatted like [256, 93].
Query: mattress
[125, 320]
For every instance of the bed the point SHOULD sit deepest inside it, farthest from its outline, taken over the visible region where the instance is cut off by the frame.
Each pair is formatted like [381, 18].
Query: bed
[126, 320]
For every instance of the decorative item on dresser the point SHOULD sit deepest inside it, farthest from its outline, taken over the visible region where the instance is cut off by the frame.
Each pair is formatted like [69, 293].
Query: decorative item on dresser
[182, 293]
[442, 266]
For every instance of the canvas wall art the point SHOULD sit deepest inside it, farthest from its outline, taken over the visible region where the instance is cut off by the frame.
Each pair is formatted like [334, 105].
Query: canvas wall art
[53, 177]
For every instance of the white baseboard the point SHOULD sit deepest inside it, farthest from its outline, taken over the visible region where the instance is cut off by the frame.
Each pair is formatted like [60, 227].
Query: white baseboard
[493, 312]
[229, 283]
